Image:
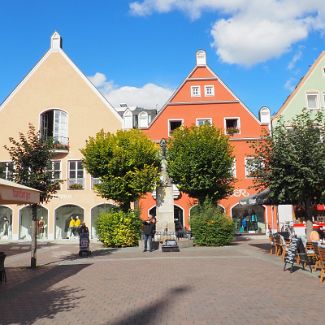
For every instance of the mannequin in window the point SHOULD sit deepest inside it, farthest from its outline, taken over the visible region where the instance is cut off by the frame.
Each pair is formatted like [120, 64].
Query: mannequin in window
[5, 227]
[72, 225]
[77, 225]
[41, 227]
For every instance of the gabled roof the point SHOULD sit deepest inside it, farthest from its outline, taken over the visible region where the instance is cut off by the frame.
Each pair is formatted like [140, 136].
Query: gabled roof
[55, 48]
[300, 84]
[208, 75]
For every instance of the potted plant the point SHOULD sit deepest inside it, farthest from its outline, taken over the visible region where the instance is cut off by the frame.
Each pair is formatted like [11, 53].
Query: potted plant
[75, 186]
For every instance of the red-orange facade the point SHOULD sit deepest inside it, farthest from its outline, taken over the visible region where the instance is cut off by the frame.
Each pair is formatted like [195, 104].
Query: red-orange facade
[204, 97]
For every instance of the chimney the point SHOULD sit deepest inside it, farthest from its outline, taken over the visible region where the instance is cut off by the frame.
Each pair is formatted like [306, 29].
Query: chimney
[201, 58]
[56, 41]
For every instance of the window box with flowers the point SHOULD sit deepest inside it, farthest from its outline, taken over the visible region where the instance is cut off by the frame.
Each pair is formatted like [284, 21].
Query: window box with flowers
[232, 131]
[75, 186]
[60, 146]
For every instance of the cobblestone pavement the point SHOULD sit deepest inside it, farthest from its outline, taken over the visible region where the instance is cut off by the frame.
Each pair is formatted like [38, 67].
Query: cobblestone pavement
[238, 284]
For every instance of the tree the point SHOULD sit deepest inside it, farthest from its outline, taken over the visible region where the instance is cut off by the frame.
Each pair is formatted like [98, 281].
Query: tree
[199, 161]
[127, 164]
[31, 156]
[291, 163]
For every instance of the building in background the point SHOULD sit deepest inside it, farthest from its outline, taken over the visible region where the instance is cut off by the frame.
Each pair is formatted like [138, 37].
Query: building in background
[204, 98]
[309, 94]
[63, 104]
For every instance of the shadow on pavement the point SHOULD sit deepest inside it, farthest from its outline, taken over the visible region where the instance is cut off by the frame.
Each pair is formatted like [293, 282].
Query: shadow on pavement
[34, 299]
[148, 314]
[11, 249]
[265, 247]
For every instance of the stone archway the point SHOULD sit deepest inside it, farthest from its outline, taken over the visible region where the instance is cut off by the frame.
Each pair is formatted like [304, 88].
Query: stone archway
[25, 222]
[95, 212]
[239, 211]
[63, 215]
[5, 223]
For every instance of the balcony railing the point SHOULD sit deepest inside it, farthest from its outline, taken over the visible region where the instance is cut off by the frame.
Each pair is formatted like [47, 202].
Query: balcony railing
[61, 144]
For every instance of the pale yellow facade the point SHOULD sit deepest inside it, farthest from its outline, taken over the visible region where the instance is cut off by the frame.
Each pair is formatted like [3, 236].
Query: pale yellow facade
[54, 85]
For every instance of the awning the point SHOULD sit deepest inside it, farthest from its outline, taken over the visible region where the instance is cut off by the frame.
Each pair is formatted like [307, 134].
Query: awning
[13, 193]
[257, 198]
[320, 207]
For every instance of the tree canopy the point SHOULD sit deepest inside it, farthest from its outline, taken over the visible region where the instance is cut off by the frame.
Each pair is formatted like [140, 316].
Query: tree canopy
[127, 164]
[31, 156]
[200, 162]
[291, 161]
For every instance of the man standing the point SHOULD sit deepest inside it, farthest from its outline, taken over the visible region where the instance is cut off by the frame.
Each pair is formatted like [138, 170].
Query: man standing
[149, 227]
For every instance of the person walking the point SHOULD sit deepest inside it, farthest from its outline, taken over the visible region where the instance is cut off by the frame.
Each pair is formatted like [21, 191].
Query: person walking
[149, 227]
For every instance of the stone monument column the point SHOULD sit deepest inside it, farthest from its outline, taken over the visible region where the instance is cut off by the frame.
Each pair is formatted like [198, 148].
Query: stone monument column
[165, 199]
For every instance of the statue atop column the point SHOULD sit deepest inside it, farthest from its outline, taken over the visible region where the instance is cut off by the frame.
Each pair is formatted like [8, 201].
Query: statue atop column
[165, 200]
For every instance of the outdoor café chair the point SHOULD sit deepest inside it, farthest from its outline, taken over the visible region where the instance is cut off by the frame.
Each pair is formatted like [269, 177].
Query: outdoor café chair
[317, 264]
[272, 243]
[321, 250]
[3, 276]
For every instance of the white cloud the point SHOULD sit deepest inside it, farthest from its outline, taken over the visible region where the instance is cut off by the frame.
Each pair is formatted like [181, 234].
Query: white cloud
[148, 96]
[290, 84]
[297, 56]
[251, 31]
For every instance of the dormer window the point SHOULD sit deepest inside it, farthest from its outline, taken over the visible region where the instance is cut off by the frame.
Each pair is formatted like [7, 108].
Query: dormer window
[127, 120]
[209, 90]
[232, 125]
[195, 91]
[54, 124]
[143, 120]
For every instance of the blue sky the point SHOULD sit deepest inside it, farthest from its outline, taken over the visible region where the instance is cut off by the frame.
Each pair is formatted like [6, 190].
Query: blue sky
[138, 52]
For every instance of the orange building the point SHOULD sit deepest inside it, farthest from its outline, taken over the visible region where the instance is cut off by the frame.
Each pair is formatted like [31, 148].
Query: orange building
[204, 98]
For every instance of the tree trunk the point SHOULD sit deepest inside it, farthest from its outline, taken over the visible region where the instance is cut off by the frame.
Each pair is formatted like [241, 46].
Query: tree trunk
[34, 237]
[309, 217]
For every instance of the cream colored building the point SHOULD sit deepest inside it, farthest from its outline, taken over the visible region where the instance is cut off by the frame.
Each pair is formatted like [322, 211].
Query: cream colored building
[62, 103]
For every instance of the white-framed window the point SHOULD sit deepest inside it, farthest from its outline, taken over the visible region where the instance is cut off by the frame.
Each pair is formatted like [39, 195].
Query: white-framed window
[233, 168]
[208, 90]
[323, 71]
[127, 119]
[76, 175]
[143, 120]
[204, 121]
[55, 169]
[323, 97]
[173, 125]
[232, 125]
[195, 91]
[54, 124]
[312, 100]
[250, 166]
[6, 170]
[94, 181]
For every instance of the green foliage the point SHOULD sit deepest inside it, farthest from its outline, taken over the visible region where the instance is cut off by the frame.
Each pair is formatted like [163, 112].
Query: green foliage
[127, 164]
[119, 228]
[31, 156]
[291, 162]
[210, 226]
[200, 162]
